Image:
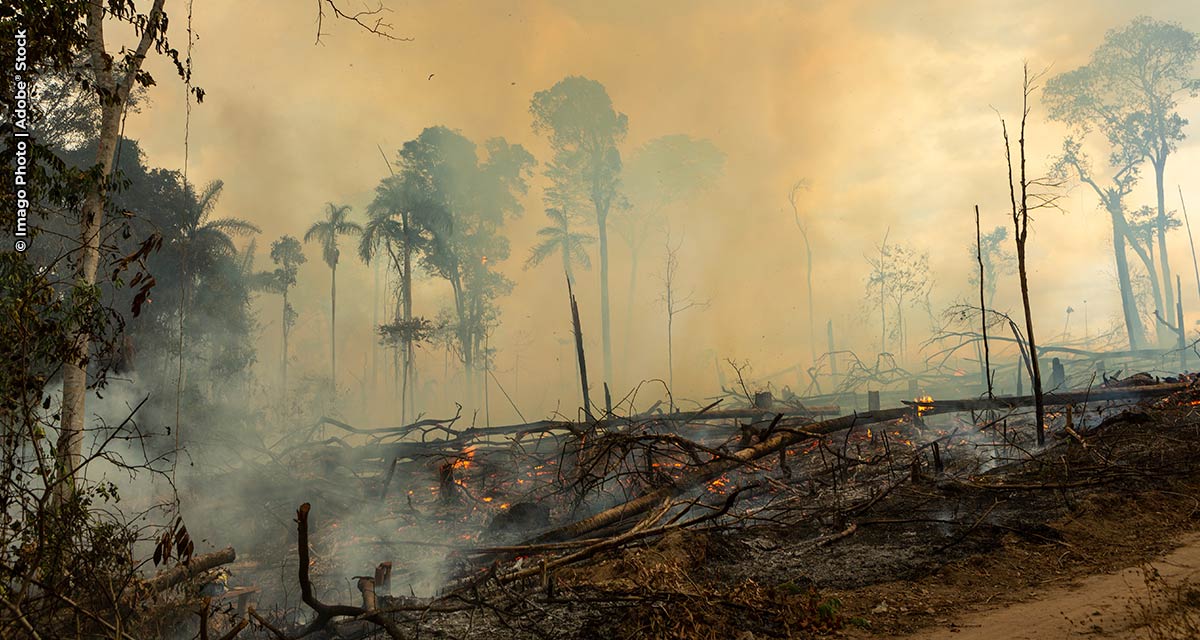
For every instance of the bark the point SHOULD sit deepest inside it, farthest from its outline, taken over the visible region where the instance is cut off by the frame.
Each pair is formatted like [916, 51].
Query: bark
[115, 97]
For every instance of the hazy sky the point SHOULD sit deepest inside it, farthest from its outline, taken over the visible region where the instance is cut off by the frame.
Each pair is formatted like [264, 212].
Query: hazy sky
[885, 107]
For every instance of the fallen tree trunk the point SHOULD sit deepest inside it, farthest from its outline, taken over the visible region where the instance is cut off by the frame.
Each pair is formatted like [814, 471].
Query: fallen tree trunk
[790, 432]
[1067, 397]
[176, 575]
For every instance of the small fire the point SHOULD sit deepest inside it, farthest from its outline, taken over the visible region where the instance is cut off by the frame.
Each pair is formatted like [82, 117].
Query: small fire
[924, 400]
[487, 498]
[464, 461]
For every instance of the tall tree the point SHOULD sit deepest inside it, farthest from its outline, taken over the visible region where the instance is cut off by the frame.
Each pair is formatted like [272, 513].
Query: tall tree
[584, 130]
[398, 220]
[288, 255]
[113, 81]
[1129, 91]
[327, 232]
[1073, 162]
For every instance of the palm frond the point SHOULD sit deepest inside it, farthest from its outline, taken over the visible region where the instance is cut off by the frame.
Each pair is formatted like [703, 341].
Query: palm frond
[234, 226]
[540, 252]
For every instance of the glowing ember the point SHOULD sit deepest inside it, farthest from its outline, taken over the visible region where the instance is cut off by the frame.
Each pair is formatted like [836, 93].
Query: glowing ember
[464, 461]
[718, 485]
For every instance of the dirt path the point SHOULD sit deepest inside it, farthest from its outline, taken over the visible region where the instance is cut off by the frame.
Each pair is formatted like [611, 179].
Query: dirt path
[1101, 606]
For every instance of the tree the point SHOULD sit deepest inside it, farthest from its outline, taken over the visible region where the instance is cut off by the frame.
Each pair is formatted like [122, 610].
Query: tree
[901, 274]
[584, 130]
[1112, 197]
[1020, 207]
[113, 83]
[398, 220]
[559, 238]
[326, 232]
[664, 171]
[1129, 91]
[793, 196]
[288, 255]
[676, 303]
[473, 200]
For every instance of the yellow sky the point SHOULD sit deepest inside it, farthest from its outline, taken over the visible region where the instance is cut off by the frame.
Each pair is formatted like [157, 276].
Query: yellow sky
[886, 107]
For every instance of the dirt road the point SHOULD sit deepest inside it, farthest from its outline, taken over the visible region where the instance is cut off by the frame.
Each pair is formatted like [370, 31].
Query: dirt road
[1114, 605]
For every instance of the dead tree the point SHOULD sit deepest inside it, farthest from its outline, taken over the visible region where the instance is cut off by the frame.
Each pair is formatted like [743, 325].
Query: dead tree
[676, 304]
[987, 360]
[1020, 218]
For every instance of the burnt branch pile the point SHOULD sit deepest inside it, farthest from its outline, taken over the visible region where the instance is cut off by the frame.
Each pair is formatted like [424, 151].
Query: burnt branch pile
[529, 525]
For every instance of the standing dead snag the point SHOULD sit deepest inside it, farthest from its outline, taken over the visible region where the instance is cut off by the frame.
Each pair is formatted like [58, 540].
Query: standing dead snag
[987, 359]
[1020, 218]
[327, 612]
[583, 381]
[676, 304]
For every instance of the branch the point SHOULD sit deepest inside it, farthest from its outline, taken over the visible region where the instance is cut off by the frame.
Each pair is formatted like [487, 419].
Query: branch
[377, 27]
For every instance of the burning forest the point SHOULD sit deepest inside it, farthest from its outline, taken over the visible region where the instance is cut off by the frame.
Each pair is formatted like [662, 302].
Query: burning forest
[599, 320]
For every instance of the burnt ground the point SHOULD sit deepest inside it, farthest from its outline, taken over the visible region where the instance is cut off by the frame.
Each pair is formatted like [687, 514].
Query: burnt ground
[862, 544]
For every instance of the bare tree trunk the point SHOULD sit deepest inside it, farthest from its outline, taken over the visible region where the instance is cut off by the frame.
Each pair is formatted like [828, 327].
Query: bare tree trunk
[987, 361]
[284, 359]
[1191, 240]
[409, 364]
[115, 96]
[1133, 321]
[333, 328]
[1159, 166]
[579, 355]
[605, 325]
[1020, 216]
[634, 251]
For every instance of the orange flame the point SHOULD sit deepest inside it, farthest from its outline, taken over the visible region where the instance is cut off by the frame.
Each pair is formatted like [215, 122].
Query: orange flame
[922, 410]
[464, 461]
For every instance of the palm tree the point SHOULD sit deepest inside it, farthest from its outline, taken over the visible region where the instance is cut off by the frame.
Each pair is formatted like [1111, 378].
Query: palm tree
[199, 237]
[287, 255]
[326, 232]
[398, 219]
[559, 238]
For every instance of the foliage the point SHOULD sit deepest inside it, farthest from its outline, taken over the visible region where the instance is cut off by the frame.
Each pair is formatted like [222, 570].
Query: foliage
[559, 238]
